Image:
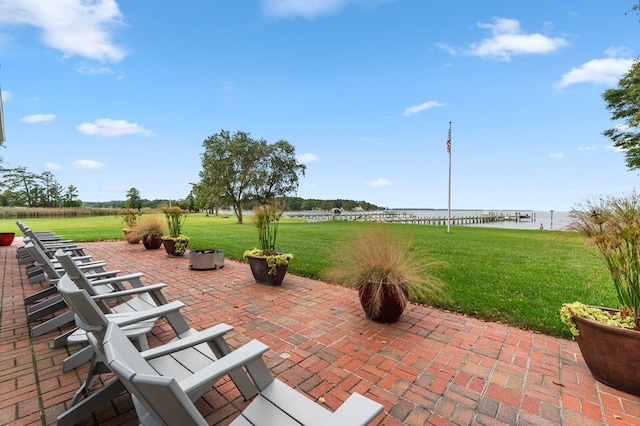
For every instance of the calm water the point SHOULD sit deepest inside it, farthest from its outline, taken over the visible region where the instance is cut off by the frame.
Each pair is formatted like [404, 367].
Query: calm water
[538, 219]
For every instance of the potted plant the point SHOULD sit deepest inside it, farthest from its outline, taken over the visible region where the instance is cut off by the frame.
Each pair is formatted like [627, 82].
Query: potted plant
[149, 229]
[268, 266]
[609, 339]
[387, 273]
[6, 238]
[129, 219]
[175, 243]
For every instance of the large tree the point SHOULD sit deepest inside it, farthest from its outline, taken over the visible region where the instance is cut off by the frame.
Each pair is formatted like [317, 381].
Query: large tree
[237, 169]
[133, 199]
[624, 104]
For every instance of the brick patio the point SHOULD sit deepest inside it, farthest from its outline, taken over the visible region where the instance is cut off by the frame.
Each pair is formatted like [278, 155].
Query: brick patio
[432, 367]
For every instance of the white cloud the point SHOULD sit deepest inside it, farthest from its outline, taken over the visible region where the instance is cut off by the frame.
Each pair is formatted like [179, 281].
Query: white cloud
[86, 69]
[600, 71]
[52, 166]
[379, 182]
[38, 118]
[307, 158]
[556, 155]
[307, 8]
[310, 8]
[87, 164]
[614, 148]
[419, 108]
[75, 27]
[588, 148]
[6, 95]
[507, 40]
[109, 128]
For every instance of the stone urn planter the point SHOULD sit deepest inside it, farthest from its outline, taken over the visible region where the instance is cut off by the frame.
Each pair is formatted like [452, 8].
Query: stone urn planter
[611, 353]
[6, 238]
[201, 260]
[260, 270]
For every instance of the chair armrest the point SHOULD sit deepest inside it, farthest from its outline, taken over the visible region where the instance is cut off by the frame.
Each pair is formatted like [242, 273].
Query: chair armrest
[189, 341]
[240, 357]
[92, 264]
[128, 292]
[104, 274]
[131, 318]
[117, 279]
[77, 258]
[356, 410]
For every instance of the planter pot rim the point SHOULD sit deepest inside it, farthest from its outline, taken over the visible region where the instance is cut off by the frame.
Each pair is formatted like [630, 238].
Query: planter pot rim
[627, 332]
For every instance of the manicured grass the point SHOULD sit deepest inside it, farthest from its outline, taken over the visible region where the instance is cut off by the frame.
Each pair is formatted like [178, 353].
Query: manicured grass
[518, 277]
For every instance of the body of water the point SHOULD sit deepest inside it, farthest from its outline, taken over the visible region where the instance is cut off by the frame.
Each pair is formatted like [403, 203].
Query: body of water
[544, 219]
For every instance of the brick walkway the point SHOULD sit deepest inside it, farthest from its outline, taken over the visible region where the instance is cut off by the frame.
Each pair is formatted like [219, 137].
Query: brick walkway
[432, 367]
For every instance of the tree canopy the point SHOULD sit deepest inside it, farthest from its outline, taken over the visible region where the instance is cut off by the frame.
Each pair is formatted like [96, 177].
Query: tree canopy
[237, 169]
[624, 104]
[20, 187]
[133, 199]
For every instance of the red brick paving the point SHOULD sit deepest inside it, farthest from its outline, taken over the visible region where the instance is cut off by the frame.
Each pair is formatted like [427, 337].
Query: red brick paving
[430, 368]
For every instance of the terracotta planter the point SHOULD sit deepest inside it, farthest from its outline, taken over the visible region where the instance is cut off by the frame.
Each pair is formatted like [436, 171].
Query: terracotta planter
[260, 271]
[152, 241]
[170, 248]
[611, 353]
[392, 306]
[6, 238]
[206, 259]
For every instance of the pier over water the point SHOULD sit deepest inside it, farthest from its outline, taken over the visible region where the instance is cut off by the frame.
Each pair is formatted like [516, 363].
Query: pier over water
[391, 216]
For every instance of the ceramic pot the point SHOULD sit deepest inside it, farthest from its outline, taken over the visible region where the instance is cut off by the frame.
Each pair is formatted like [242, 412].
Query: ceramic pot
[392, 305]
[152, 241]
[170, 247]
[260, 271]
[6, 238]
[611, 353]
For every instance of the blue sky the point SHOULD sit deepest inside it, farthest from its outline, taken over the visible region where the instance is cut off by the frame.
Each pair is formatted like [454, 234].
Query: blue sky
[112, 95]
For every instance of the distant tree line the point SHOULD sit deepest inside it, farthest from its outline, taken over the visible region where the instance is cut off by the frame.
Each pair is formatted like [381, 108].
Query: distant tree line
[302, 204]
[290, 203]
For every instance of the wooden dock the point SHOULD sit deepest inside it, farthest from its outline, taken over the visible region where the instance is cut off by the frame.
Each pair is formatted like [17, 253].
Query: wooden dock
[403, 217]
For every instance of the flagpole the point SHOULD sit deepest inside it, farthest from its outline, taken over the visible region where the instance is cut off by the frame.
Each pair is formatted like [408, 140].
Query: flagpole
[449, 202]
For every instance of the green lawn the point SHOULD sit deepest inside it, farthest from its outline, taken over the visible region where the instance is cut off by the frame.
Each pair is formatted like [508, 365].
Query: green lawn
[518, 277]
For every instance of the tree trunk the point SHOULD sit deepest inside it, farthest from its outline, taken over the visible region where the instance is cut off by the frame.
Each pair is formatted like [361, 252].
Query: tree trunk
[238, 209]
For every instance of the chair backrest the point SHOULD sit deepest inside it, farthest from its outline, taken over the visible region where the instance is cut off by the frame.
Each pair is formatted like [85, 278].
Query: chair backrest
[88, 314]
[158, 399]
[33, 237]
[42, 261]
[74, 272]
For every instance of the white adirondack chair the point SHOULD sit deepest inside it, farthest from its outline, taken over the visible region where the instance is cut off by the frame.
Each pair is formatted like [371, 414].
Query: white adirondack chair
[50, 303]
[48, 246]
[165, 396]
[203, 348]
[137, 298]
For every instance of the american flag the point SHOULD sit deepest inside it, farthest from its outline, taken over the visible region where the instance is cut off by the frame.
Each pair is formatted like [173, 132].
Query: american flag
[449, 142]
